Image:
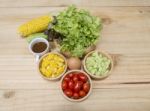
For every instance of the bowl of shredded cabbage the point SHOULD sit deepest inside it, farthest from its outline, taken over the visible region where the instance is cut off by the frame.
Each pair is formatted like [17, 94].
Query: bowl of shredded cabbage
[98, 64]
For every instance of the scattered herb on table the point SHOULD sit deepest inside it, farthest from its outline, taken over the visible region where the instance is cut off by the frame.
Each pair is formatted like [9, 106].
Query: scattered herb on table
[79, 29]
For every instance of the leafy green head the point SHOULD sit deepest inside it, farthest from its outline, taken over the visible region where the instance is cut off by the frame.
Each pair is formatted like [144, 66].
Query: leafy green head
[79, 29]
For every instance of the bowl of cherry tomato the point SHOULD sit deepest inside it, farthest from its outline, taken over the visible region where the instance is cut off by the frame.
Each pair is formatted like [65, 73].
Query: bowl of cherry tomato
[76, 85]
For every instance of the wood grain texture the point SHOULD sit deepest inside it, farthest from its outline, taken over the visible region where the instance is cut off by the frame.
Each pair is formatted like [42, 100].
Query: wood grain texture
[51, 100]
[125, 35]
[60, 3]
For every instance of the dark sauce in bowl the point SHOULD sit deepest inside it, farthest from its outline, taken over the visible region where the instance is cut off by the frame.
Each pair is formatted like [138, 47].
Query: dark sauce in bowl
[39, 47]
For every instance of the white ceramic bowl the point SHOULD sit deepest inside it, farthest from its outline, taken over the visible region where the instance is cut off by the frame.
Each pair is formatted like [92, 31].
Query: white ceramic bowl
[71, 99]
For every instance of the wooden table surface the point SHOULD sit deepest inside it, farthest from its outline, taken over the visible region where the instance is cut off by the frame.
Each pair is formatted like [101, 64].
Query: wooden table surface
[125, 35]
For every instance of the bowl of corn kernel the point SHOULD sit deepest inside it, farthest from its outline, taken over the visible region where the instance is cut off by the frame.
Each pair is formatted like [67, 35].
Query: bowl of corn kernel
[52, 66]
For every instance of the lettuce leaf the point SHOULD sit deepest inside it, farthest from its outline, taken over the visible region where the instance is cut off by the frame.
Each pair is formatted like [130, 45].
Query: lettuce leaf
[79, 29]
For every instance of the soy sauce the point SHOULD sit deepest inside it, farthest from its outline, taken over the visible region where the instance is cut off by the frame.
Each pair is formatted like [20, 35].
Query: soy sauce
[39, 47]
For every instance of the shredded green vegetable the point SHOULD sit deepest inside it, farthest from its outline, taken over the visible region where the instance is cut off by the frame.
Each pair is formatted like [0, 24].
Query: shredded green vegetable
[97, 64]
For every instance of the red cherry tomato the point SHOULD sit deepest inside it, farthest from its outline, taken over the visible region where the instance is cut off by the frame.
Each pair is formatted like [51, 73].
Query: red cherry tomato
[81, 83]
[70, 75]
[78, 86]
[64, 85]
[86, 87]
[75, 78]
[83, 77]
[76, 96]
[82, 93]
[68, 92]
[67, 78]
[71, 84]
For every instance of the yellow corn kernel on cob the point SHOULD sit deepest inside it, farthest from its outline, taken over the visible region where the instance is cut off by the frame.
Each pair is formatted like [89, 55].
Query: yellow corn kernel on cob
[36, 25]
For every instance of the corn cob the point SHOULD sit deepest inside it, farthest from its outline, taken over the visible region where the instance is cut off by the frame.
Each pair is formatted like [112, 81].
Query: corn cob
[36, 25]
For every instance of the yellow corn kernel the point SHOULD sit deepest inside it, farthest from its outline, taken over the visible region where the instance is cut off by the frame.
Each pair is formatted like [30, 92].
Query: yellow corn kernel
[60, 70]
[50, 56]
[61, 59]
[48, 74]
[43, 70]
[52, 65]
[36, 25]
[56, 75]
[53, 76]
[43, 64]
